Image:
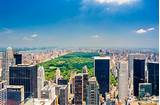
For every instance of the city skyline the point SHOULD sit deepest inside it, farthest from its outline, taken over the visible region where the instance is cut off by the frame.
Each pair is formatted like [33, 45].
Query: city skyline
[79, 23]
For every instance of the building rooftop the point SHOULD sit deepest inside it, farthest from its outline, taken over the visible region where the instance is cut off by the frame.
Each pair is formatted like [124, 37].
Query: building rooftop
[15, 86]
[22, 65]
[101, 57]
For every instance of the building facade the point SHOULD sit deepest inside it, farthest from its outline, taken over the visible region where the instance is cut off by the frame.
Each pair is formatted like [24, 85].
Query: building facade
[25, 75]
[63, 98]
[85, 82]
[3, 92]
[123, 81]
[153, 76]
[15, 95]
[138, 74]
[18, 58]
[78, 92]
[92, 92]
[101, 72]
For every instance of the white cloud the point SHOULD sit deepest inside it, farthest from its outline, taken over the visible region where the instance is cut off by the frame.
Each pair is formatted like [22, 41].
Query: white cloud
[95, 36]
[142, 31]
[117, 2]
[27, 38]
[34, 35]
[150, 29]
[30, 38]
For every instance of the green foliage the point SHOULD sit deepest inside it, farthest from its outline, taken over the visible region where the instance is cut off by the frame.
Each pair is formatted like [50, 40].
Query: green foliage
[70, 62]
[113, 80]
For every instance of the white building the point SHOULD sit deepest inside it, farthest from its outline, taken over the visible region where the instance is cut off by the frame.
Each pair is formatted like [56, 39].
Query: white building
[92, 94]
[123, 81]
[7, 61]
[40, 80]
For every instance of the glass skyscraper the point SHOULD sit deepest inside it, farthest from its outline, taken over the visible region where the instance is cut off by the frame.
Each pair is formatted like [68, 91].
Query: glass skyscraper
[153, 77]
[101, 72]
[25, 75]
[18, 58]
[138, 74]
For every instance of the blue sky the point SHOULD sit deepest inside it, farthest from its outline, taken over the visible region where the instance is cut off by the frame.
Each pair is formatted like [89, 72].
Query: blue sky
[79, 23]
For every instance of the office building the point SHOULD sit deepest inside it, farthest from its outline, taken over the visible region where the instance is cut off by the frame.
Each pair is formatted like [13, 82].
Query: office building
[138, 74]
[63, 97]
[153, 76]
[78, 92]
[123, 81]
[18, 58]
[92, 93]
[25, 75]
[7, 61]
[85, 82]
[131, 57]
[101, 72]
[3, 92]
[145, 89]
[15, 95]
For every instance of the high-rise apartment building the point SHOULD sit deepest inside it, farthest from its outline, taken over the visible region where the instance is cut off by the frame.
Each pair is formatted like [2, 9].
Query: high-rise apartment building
[85, 82]
[63, 97]
[78, 92]
[92, 92]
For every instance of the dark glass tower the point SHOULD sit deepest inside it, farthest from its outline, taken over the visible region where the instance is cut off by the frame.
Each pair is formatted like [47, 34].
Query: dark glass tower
[18, 58]
[138, 74]
[25, 75]
[153, 77]
[102, 66]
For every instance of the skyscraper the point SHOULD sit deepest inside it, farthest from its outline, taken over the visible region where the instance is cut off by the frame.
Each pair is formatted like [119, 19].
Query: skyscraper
[25, 75]
[40, 80]
[18, 58]
[153, 76]
[15, 95]
[85, 82]
[92, 92]
[138, 74]
[3, 92]
[8, 60]
[63, 98]
[78, 92]
[101, 72]
[131, 57]
[123, 81]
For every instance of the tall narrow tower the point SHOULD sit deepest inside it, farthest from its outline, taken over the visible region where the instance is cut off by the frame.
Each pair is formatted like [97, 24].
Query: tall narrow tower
[8, 60]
